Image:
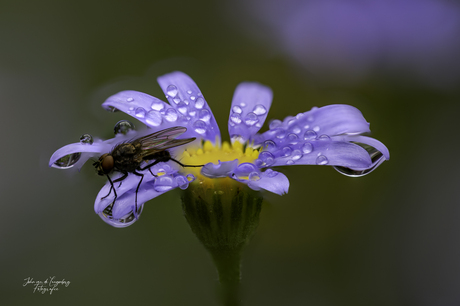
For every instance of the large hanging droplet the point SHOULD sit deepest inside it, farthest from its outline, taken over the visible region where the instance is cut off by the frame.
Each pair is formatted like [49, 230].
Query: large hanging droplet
[376, 157]
[86, 139]
[123, 127]
[67, 161]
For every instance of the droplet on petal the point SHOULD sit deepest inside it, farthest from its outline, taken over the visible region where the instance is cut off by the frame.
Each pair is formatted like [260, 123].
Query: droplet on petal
[182, 108]
[322, 160]
[237, 109]
[324, 137]
[251, 119]
[123, 127]
[296, 155]
[157, 105]
[307, 148]
[269, 145]
[205, 115]
[67, 161]
[293, 138]
[140, 112]
[267, 158]
[153, 118]
[199, 127]
[86, 139]
[287, 151]
[182, 182]
[171, 115]
[171, 90]
[259, 110]
[199, 103]
[254, 176]
[309, 135]
[130, 100]
[190, 177]
[270, 173]
[235, 118]
[275, 124]
[163, 183]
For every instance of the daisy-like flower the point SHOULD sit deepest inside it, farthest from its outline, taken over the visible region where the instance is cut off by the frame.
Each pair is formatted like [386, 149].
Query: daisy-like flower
[330, 135]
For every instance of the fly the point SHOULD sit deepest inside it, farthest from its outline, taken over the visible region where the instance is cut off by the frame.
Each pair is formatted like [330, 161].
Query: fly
[127, 157]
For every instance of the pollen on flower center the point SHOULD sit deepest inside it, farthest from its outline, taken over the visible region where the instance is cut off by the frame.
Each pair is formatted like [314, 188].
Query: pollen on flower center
[210, 153]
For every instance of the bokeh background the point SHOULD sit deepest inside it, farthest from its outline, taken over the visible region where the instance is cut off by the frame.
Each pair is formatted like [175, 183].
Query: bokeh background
[389, 238]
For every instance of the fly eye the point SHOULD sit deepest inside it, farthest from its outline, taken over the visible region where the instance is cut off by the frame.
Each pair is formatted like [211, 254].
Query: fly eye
[107, 164]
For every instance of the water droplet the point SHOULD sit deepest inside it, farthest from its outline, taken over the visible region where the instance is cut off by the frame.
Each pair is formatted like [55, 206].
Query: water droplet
[190, 177]
[123, 127]
[153, 118]
[299, 116]
[251, 119]
[245, 168]
[171, 90]
[171, 115]
[176, 100]
[67, 161]
[140, 112]
[112, 109]
[157, 105]
[192, 113]
[296, 129]
[237, 109]
[182, 108]
[322, 160]
[259, 110]
[316, 129]
[242, 104]
[204, 115]
[291, 122]
[293, 138]
[186, 102]
[189, 92]
[307, 148]
[309, 135]
[296, 155]
[130, 100]
[280, 134]
[269, 145]
[290, 162]
[270, 173]
[376, 157]
[235, 118]
[199, 127]
[86, 139]
[163, 183]
[287, 151]
[131, 109]
[324, 137]
[267, 158]
[275, 124]
[310, 118]
[192, 98]
[182, 182]
[254, 176]
[199, 103]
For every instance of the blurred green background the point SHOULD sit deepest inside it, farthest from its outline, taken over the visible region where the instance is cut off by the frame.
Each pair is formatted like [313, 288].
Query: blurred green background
[389, 238]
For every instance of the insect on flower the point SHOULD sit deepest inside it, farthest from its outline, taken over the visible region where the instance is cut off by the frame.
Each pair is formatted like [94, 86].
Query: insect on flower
[127, 157]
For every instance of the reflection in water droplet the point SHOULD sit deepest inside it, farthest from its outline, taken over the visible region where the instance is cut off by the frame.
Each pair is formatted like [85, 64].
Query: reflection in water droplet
[205, 115]
[296, 155]
[124, 221]
[199, 127]
[269, 145]
[199, 103]
[163, 183]
[267, 158]
[259, 110]
[309, 135]
[251, 119]
[67, 161]
[287, 151]
[254, 176]
[123, 127]
[322, 160]
[157, 105]
[86, 139]
[296, 129]
[112, 109]
[140, 112]
[376, 157]
[293, 138]
[307, 148]
[182, 108]
[235, 118]
[190, 177]
[182, 182]
[153, 118]
[324, 137]
[176, 100]
[237, 109]
[171, 90]
[171, 115]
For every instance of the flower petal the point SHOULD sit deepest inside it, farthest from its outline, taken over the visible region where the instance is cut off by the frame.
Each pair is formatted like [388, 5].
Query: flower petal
[87, 151]
[222, 169]
[270, 180]
[250, 105]
[185, 96]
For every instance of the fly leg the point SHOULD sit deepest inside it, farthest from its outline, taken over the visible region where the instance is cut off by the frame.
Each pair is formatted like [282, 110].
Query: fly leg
[150, 165]
[111, 187]
[137, 189]
[182, 165]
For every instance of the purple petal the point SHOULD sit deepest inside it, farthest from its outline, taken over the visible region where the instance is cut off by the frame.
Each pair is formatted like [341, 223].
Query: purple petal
[88, 151]
[223, 169]
[186, 98]
[270, 180]
[366, 140]
[250, 105]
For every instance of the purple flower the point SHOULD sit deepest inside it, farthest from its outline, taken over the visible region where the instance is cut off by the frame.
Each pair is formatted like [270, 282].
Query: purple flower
[329, 135]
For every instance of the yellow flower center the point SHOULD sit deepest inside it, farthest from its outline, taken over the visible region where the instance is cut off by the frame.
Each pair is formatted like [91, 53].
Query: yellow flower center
[210, 153]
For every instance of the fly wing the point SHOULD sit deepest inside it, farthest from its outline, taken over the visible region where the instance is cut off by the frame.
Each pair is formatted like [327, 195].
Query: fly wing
[162, 140]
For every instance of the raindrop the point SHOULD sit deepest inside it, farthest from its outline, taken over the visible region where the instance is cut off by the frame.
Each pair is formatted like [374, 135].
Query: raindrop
[123, 127]
[299, 116]
[376, 157]
[259, 110]
[307, 148]
[275, 124]
[176, 100]
[163, 183]
[310, 118]
[140, 112]
[316, 129]
[290, 162]
[153, 118]
[204, 115]
[243, 104]
[86, 139]
[192, 113]
[199, 127]
[171, 115]
[235, 118]
[251, 119]
[246, 168]
[270, 173]
[287, 151]
[309, 135]
[190, 177]
[192, 98]
[322, 160]
[269, 145]
[67, 161]
[293, 138]
[199, 103]
[171, 90]
[324, 137]
[130, 100]
[237, 109]
[296, 129]
[254, 176]
[182, 182]
[112, 109]
[296, 155]
[281, 134]
[182, 108]
[157, 105]
[189, 92]
[267, 158]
